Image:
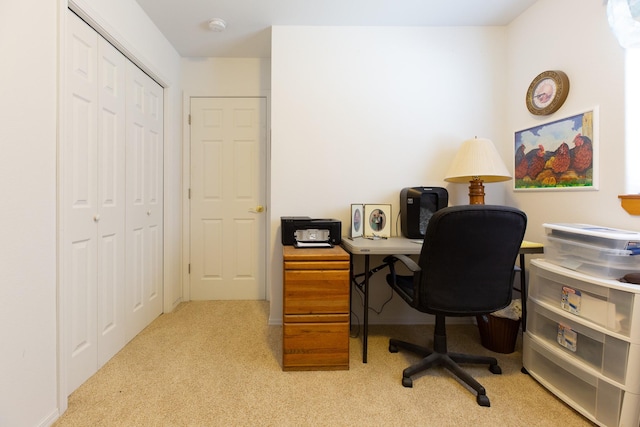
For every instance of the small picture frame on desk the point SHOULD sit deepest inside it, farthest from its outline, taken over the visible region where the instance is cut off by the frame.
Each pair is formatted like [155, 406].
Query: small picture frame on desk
[377, 221]
[357, 215]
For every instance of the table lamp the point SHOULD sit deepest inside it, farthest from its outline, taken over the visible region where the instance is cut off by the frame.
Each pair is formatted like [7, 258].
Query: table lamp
[477, 161]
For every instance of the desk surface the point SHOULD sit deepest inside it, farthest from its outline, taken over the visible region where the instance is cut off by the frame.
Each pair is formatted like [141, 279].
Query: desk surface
[389, 246]
[402, 245]
[531, 247]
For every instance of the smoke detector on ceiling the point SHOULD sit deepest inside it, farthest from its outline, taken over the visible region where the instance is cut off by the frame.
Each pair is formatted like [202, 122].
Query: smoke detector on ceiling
[218, 25]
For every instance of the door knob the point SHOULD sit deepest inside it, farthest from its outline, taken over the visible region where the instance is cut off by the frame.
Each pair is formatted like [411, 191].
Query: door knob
[96, 217]
[257, 209]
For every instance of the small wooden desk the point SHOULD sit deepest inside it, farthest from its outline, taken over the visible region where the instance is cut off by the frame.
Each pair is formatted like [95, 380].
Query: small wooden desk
[402, 245]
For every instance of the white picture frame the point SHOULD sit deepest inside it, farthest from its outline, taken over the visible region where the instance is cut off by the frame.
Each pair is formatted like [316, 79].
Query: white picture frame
[357, 216]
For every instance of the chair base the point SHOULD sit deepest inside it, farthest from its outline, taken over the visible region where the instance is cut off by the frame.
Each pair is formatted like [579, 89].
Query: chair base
[449, 361]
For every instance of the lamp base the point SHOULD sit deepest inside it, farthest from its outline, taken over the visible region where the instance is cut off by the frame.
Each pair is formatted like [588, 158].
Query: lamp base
[476, 192]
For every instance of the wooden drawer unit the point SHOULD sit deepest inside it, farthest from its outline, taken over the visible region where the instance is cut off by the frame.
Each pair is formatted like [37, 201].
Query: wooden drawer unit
[315, 309]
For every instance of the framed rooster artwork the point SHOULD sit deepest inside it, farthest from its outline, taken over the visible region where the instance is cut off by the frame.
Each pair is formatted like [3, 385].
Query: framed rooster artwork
[558, 155]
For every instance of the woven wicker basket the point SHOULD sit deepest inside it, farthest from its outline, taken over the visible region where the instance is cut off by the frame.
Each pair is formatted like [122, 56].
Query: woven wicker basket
[498, 334]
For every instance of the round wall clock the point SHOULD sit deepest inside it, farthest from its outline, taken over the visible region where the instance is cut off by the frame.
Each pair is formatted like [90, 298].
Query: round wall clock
[547, 92]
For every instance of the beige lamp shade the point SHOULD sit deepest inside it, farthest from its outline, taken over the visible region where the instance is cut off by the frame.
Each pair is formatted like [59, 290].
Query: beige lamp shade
[477, 161]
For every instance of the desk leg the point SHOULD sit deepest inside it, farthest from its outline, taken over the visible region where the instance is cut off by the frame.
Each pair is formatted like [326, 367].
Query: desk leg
[365, 334]
[352, 282]
[523, 293]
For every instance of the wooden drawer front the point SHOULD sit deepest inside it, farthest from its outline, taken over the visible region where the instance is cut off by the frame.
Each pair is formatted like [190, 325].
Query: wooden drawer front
[308, 346]
[316, 318]
[307, 292]
[336, 253]
[316, 265]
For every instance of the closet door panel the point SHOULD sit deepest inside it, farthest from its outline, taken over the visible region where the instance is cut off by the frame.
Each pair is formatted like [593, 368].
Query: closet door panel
[136, 235]
[111, 202]
[155, 211]
[144, 200]
[79, 203]
[111, 196]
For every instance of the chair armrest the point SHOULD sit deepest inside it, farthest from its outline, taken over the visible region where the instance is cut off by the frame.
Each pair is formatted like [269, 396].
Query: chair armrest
[408, 292]
[408, 262]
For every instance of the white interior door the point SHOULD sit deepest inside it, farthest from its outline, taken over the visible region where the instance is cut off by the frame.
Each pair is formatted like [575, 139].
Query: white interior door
[144, 218]
[228, 193]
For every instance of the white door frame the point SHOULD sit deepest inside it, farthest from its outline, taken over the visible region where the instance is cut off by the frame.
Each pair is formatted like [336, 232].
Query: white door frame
[186, 184]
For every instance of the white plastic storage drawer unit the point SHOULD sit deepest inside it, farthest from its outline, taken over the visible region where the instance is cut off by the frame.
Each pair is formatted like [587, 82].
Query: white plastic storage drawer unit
[583, 342]
[608, 303]
[578, 339]
[601, 401]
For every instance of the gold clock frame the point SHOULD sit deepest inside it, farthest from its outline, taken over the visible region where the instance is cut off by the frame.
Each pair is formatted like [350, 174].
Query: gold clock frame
[561, 82]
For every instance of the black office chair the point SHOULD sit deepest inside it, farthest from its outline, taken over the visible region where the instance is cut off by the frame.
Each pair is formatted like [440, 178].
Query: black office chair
[465, 269]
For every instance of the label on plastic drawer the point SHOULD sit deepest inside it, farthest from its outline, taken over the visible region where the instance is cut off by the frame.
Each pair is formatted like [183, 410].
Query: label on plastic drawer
[567, 337]
[571, 300]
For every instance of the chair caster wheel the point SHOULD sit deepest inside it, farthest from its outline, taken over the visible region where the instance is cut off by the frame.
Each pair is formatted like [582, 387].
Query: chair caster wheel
[407, 382]
[393, 348]
[483, 400]
[495, 369]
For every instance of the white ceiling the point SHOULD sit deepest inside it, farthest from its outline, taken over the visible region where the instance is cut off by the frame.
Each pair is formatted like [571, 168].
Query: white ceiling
[248, 34]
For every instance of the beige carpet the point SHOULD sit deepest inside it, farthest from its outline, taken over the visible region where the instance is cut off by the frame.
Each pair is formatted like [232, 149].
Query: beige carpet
[217, 363]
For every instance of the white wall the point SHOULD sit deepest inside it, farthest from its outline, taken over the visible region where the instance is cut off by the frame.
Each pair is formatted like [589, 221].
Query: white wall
[28, 215]
[632, 127]
[573, 36]
[226, 76]
[29, 37]
[360, 113]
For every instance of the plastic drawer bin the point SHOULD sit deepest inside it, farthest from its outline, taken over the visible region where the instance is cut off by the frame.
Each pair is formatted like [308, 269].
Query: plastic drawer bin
[585, 296]
[604, 237]
[599, 400]
[590, 259]
[605, 353]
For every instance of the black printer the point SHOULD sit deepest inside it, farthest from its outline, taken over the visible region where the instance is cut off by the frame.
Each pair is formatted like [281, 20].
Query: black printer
[303, 231]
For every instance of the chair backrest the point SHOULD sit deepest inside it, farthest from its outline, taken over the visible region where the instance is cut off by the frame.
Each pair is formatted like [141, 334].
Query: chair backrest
[468, 259]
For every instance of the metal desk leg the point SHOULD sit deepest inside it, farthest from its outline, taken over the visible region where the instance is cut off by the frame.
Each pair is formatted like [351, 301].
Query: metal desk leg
[351, 284]
[523, 292]
[365, 334]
